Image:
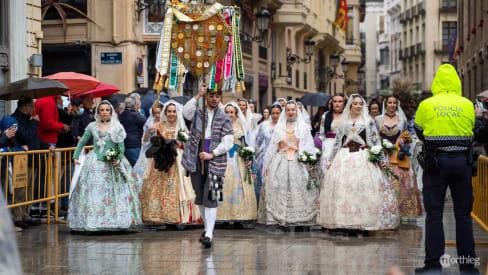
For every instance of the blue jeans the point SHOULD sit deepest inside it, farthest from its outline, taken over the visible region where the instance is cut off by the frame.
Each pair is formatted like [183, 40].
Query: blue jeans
[132, 154]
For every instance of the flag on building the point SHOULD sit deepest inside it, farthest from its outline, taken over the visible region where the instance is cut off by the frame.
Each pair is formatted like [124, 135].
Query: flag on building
[341, 16]
[452, 46]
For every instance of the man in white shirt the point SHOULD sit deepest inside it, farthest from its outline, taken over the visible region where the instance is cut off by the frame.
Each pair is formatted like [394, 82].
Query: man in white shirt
[218, 140]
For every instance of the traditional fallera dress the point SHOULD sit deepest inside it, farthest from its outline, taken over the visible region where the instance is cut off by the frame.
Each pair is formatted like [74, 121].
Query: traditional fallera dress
[264, 132]
[167, 197]
[285, 199]
[406, 189]
[239, 202]
[328, 140]
[106, 196]
[356, 194]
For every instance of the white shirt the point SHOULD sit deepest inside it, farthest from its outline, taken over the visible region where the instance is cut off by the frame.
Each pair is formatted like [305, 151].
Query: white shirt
[227, 141]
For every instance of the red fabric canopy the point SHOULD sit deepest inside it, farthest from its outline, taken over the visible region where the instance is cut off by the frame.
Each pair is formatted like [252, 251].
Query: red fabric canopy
[78, 83]
[100, 90]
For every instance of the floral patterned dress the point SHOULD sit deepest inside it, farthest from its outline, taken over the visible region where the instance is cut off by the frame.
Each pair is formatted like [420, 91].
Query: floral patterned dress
[406, 189]
[356, 194]
[239, 202]
[168, 197]
[285, 198]
[263, 137]
[105, 197]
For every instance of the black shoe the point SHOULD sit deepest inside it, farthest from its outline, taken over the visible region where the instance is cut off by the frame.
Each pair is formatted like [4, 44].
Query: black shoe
[207, 242]
[33, 222]
[202, 237]
[21, 224]
[430, 270]
[35, 214]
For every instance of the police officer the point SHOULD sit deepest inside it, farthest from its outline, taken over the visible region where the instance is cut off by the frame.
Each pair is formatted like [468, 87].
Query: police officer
[444, 122]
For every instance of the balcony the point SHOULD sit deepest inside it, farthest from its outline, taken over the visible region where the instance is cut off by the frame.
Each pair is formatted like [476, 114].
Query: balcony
[446, 8]
[400, 54]
[412, 51]
[421, 48]
[408, 14]
[406, 51]
[414, 11]
[440, 48]
[421, 8]
[402, 18]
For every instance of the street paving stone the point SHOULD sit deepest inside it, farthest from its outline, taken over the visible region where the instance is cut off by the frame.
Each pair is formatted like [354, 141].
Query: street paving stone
[52, 249]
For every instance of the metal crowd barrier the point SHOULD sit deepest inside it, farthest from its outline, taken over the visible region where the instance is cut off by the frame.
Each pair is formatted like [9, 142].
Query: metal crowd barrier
[480, 192]
[27, 178]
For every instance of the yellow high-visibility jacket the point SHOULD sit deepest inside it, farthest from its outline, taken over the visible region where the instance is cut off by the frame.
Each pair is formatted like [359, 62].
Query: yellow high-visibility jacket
[445, 121]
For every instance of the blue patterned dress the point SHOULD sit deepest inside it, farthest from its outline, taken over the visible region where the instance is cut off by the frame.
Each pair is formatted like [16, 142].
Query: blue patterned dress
[263, 138]
[105, 197]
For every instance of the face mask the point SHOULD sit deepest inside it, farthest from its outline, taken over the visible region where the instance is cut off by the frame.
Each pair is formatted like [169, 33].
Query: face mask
[80, 112]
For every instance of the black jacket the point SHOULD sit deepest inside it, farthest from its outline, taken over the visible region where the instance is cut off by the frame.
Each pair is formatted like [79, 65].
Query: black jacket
[65, 140]
[79, 123]
[480, 130]
[27, 132]
[133, 124]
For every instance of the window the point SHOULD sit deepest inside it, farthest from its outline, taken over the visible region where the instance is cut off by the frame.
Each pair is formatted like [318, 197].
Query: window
[81, 5]
[448, 30]
[3, 23]
[385, 56]
[449, 3]
[297, 78]
[350, 38]
[305, 84]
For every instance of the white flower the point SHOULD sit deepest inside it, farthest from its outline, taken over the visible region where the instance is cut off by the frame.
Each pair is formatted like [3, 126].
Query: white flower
[387, 144]
[312, 158]
[318, 151]
[376, 149]
[249, 149]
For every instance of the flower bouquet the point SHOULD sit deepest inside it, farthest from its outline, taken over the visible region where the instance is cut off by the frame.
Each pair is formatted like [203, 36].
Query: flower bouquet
[311, 161]
[247, 154]
[182, 136]
[375, 157]
[110, 157]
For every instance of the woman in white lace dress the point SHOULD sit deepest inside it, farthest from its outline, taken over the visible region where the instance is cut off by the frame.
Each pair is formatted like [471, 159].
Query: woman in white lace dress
[356, 194]
[285, 199]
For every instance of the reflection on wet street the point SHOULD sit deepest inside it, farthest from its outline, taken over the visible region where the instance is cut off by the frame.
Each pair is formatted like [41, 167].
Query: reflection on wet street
[54, 250]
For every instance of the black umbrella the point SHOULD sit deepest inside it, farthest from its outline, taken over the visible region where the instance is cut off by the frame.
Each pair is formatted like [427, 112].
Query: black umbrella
[148, 100]
[33, 88]
[116, 99]
[181, 99]
[315, 99]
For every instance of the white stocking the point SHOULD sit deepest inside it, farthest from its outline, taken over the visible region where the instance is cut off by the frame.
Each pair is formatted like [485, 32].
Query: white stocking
[202, 214]
[210, 217]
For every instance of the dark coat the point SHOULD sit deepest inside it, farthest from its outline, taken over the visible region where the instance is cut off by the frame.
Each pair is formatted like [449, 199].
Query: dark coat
[133, 124]
[79, 123]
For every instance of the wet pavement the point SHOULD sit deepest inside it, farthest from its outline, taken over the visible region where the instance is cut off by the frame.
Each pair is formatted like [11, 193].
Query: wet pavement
[52, 249]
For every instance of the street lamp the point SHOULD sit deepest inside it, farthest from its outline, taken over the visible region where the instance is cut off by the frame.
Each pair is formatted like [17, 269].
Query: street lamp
[263, 17]
[345, 65]
[292, 58]
[334, 60]
[142, 5]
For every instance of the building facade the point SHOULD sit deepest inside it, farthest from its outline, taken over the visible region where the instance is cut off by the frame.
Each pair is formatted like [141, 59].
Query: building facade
[427, 28]
[472, 36]
[20, 38]
[394, 31]
[293, 24]
[355, 12]
[372, 27]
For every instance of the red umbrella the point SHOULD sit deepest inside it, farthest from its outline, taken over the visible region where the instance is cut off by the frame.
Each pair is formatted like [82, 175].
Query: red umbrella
[78, 83]
[100, 90]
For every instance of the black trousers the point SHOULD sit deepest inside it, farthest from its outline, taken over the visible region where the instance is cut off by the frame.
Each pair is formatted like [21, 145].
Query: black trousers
[200, 186]
[454, 172]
